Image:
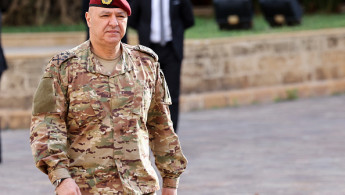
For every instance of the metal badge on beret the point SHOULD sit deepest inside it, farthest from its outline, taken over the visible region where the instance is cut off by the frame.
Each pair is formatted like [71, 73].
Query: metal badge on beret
[107, 2]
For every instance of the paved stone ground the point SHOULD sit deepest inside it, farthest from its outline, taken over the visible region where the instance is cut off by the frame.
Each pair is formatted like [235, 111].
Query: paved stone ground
[289, 148]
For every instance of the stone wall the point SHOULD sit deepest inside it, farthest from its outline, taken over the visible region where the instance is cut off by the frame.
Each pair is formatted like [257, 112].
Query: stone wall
[216, 72]
[20, 81]
[261, 61]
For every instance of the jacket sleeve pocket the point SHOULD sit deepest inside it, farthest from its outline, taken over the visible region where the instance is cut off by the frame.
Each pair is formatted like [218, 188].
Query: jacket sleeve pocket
[44, 98]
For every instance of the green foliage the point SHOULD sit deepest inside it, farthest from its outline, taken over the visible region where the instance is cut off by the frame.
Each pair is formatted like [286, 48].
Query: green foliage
[235, 102]
[328, 6]
[278, 99]
[43, 12]
[339, 93]
[291, 94]
[208, 28]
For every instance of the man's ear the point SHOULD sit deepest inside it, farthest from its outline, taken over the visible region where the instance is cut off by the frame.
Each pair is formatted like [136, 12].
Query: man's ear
[88, 18]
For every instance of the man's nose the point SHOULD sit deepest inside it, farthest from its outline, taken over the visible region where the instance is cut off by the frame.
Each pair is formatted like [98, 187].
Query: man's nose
[113, 21]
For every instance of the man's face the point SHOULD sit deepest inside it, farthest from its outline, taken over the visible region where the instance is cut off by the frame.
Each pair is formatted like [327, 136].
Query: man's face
[107, 25]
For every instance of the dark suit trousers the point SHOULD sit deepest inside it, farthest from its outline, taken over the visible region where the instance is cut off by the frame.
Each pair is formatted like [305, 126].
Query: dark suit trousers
[171, 66]
[3, 65]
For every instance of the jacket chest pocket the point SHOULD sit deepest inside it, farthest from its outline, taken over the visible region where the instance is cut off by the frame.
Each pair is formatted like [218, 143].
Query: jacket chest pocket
[130, 95]
[86, 106]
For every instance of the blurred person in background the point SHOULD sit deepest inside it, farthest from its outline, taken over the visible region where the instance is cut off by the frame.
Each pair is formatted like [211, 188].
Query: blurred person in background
[85, 8]
[99, 109]
[5, 4]
[161, 25]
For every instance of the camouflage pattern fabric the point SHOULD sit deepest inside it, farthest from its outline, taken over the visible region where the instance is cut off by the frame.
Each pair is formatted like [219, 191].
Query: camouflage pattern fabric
[98, 128]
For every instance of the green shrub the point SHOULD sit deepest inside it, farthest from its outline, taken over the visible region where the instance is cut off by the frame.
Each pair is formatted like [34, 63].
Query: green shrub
[327, 6]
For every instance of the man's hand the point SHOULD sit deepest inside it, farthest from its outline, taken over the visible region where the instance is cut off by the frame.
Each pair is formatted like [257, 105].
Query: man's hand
[68, 187]
[169, 191]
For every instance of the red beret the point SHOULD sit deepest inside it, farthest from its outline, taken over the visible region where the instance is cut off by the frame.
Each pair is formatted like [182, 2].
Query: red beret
[112, 4]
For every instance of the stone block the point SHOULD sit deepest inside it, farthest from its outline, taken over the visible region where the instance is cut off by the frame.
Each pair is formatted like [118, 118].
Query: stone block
[14, 101]
[332, 42]
[244, 66]
[320, 89]
[12, 82]
[209, 100]
[241, 50]
[333, 63]
[191, 85]
[327, 72]
[272, 63]
[304, 90]
[212, 84]
[32, 82]
[284, 47]
[338, 86]
[42, 39]
[15, 119]
[214, 69]
[293, 77]
[215, 100]
[240, 97]
[235, 82]
[265, 95]
[264, 79]
[191, 102]
[310, 44]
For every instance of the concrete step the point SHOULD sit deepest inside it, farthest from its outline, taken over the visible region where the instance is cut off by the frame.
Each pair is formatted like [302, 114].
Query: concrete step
[42, 39]
[15, 119]
[29, 53]
[25, 41]
[20, 118]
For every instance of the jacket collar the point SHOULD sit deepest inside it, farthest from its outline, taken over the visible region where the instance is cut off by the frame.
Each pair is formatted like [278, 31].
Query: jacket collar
[83, 52]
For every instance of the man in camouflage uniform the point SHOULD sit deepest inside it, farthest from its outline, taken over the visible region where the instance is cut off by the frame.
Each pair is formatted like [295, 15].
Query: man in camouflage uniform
[98, 110]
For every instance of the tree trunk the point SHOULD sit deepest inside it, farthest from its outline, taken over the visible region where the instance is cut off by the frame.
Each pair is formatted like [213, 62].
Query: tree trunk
[64, 16]
[42, 9]
[40, 12]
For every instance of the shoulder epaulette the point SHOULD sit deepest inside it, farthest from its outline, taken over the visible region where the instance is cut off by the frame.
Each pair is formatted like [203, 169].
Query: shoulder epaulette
[62, 57]
[147, 51]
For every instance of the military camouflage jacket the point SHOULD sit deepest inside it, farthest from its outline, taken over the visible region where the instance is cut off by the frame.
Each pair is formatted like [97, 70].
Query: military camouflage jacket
[93, 126]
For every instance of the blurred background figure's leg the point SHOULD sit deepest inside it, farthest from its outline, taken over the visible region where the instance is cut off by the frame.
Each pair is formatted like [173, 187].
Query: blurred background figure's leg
[3, 67]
